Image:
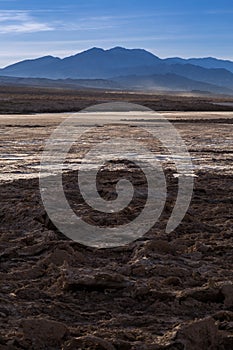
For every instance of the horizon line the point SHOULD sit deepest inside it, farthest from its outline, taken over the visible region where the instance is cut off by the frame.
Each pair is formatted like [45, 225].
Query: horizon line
[117, 47]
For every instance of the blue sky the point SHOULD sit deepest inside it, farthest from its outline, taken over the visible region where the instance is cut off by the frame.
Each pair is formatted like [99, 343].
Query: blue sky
[186, 28]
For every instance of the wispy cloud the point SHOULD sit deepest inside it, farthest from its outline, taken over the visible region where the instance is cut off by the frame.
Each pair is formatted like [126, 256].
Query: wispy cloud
[21, 22]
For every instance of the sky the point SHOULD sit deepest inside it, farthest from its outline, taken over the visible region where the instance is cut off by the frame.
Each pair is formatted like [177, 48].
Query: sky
[168, 28]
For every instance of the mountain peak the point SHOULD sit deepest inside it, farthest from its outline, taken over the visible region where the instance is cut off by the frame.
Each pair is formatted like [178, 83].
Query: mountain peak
[93, 50]
[98, 63]
[123, 49]
[48, 58]
[118, 48]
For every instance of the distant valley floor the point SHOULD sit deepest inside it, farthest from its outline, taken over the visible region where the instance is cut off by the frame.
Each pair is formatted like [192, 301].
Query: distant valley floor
[21, 99]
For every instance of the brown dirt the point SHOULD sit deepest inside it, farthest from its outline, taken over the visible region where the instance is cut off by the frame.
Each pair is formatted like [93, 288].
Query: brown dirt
[21, 100]
[164, 291]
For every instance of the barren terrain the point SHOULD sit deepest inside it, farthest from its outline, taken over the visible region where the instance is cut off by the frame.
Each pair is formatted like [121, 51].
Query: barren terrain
[164, 291]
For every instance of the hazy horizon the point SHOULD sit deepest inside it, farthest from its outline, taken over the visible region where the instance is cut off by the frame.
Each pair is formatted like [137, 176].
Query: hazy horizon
[109, 48]
[166, 28]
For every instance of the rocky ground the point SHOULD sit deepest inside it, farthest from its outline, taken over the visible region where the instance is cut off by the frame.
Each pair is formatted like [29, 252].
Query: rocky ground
[164, 291]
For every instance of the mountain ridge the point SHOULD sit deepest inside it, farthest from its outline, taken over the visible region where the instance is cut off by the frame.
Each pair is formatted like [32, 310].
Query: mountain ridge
[97, 63]
[206, 62]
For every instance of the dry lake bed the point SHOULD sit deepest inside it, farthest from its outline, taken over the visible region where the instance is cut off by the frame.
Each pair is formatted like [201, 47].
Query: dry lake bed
[158, 292]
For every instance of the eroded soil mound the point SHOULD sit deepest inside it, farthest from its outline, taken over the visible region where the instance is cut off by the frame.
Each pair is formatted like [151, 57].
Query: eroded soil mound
[164, 291]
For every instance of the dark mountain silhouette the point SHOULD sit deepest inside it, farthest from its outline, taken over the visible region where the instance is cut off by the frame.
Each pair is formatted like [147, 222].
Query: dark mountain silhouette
[221, 77]
[206, 62]
[129, 67]
[93, 63]
[31, 68]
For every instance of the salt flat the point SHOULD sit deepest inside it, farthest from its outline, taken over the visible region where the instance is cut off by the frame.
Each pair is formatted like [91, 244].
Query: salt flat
[208, 136]
[181, 278]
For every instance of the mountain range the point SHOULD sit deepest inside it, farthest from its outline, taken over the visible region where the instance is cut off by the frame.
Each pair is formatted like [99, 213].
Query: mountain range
[120, 68]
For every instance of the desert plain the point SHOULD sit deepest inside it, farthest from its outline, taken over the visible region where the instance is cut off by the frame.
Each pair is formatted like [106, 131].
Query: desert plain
[163, 291]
